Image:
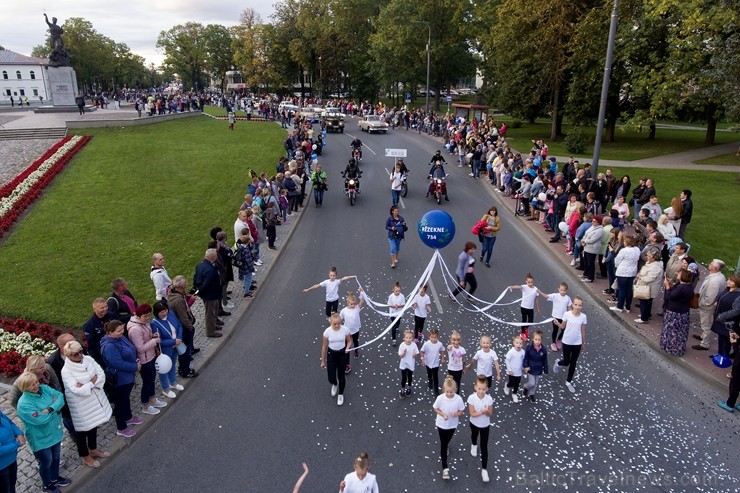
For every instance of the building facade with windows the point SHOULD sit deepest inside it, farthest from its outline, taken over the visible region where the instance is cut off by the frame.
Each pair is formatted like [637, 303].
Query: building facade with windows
[23, 77]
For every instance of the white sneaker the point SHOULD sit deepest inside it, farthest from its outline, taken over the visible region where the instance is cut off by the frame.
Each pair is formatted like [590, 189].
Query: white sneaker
[150, 410]
[158, 403]
[484, 475]
[169, 393]
[445, 474]
[570, 387]
[474, 450]
[258, 262]
[514, 397]
[506, 390]
[615, 309]
[573, 262]
[229, 305]
[334, 390]
[177, 386]
[640, 321]
[340, 400]
[556, 367]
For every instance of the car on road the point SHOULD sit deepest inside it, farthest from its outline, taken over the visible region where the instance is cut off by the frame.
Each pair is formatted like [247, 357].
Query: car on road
[373, 123]
[333, 121]
[312, 112]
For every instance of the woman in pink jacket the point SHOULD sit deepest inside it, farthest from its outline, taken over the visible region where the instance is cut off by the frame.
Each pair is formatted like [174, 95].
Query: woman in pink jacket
[140, 334]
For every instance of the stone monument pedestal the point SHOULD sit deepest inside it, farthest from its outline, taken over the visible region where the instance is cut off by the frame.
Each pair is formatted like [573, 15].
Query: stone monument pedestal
[62, 86]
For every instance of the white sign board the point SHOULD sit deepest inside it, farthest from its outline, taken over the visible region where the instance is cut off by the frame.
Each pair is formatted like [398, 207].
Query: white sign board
[449, 99]
[395, 153]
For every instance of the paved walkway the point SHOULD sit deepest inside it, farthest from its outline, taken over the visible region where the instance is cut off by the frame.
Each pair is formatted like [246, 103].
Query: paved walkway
[679, 160]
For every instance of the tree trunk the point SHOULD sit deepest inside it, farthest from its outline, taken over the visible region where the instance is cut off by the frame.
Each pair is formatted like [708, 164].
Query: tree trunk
[611, 125]
[711, 130]
[555, 112]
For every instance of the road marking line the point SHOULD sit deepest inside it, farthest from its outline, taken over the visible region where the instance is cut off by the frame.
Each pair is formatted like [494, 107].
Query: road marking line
[435, 296]
[400, 199]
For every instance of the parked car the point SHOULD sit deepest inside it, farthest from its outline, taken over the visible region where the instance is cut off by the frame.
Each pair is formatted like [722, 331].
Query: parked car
[333, 121]
[373, 123]
[312, 112]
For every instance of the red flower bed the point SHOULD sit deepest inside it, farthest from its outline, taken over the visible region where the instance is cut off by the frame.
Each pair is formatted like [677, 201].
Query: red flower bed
[12, 363]
[10, 186]
[7, 221]
[48, 333]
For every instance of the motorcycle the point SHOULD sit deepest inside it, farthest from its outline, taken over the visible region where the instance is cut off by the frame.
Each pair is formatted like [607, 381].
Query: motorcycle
[356, 154]
[404, 185]
[439, 187]
[351, 188]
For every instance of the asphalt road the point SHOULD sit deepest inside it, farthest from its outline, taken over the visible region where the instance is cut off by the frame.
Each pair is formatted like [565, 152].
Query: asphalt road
[262, 406]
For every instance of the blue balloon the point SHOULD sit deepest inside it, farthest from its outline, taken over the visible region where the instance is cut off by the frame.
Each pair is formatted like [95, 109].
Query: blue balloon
[721, 361]
[436, 229]
[313, 157]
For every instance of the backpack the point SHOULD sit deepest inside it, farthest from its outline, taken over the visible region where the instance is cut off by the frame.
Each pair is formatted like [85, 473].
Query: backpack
[237, 259]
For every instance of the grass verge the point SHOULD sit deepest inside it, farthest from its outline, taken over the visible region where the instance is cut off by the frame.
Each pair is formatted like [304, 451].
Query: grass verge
[131, 192]
[723, 160]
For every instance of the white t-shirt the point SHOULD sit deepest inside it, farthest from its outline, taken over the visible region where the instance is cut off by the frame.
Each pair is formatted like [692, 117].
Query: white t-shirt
[332, 289]
[421, 305]
[572, 334]
[485, 361]
[482, 421]
[515, 361]
[353, 484]
[408, 360]
[560, 304]
[448, 406]
[528, 296]
[432, 351]
[337, 338]
[456, 358]
[351, 318]
[394, 299]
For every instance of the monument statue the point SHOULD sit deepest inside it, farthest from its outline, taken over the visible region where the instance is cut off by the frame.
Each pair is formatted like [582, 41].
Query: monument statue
[59, 56]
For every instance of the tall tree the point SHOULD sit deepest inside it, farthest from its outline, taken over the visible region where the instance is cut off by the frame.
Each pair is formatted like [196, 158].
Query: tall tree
[185, 52]
[219, 52]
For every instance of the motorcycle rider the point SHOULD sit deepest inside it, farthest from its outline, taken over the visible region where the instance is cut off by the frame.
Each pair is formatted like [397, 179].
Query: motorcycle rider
[437, 171]
[437, 157]
[352, 171]
[356, 145]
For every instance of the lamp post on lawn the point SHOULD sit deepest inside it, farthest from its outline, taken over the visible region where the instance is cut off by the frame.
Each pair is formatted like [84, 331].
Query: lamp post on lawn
[429, 47]
[605, 86]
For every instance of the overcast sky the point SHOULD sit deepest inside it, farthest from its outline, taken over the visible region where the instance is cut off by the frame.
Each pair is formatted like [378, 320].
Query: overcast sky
[134, 22]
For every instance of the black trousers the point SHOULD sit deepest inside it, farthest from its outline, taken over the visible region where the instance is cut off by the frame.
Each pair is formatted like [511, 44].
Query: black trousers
[445, 436]
[418, 325]
[570, 356]
[457, 377]
[513, 383]
[433, 377]
[336, 362]
[184, 359]
[407, 376]
[469, 280]
[734, 383]
[332, 307]
[483, 432]
[86, 441]
[557, 332]
[527, 317]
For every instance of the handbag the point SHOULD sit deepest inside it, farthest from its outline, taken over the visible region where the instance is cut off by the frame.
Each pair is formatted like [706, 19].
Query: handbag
[641, 291]
[722, 328]
[694, 301]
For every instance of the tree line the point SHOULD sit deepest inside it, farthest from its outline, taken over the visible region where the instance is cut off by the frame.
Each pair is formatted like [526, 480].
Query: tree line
[674, 59]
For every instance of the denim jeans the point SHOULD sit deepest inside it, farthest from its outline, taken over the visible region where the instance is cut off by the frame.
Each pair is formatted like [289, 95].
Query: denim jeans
[247, 281]
[395, 196]
[169, 379]
[49, 463]
[318, 196]
[9, 477]
[487, 250]
[395, 245]
[624, 292]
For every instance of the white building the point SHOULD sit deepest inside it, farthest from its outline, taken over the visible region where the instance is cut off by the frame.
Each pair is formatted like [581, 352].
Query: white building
[23, 77]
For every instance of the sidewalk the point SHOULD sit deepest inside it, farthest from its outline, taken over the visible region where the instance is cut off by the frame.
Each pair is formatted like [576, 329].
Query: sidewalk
[73, 468]
[698, 362]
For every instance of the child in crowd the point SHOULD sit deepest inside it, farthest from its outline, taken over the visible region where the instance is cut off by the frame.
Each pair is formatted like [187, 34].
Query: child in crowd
[514, 365]
[246, 266]
[529, 300]
[508, 179]
[284, 204]
[574, 340]
[448, 407]
[485, 359]
[359, 481]
[535, 364]
[407, 352]
[480, 406]
[332, 290]
[456, 365]
[350, 316]
[432, 356]
[422, 305]
[561, 303]
[396, 302]
[232, 119]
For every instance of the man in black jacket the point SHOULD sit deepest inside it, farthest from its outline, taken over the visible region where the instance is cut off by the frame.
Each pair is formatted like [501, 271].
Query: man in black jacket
[208, 283]
[558, 207]
[93, 329]
[121, 303]
[688, 210]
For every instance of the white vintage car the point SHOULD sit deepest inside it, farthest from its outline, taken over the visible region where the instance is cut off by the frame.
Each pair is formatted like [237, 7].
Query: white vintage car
[373, 123]
[312, 112]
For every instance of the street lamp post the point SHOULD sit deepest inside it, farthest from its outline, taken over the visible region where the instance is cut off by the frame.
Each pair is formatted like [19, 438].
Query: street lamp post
[605, 87]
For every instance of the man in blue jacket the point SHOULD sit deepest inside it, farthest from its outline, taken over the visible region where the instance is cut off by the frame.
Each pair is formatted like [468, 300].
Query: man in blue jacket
[208, 283]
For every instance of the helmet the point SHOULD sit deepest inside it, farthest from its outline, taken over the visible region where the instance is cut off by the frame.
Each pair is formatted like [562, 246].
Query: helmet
[439, 152]
[352, 161]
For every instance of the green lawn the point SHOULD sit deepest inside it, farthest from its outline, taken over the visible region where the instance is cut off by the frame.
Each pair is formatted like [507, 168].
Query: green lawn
[129, 193]
[629, 145]
[713, 228]
[731, 159]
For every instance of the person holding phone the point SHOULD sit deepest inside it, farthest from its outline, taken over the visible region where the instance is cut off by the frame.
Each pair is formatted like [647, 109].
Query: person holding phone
[141, 335]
